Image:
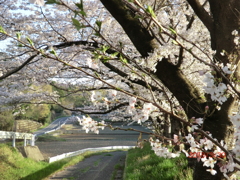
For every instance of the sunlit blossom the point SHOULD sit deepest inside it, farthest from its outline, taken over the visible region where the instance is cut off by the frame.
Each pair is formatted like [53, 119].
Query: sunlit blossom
[38, 2]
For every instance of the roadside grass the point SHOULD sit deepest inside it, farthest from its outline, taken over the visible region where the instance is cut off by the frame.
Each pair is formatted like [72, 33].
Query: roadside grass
[13, 166]
[142, 164]
[49, 137]
[118, 168]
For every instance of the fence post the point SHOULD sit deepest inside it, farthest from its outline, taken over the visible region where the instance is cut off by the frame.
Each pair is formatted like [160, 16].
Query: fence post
[33, 140]
[14, 139]
[25, 140]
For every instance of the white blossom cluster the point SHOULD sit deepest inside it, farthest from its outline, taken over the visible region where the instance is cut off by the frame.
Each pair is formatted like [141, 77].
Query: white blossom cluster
[162, 151]
[100, 100]
[236, 122]
[88, 124]
[200, 150]
[38, 2]
[53, 26]
[217, 91]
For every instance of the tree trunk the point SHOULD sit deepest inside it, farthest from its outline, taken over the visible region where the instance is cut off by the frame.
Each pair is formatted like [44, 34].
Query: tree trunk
[223, 20]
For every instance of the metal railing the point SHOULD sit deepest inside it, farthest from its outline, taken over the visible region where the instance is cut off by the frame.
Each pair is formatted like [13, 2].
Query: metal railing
[17, 135]
[75, 153]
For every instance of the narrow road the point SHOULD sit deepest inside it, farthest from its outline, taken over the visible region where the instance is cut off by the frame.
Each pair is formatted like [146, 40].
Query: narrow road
[51, 127]
[97, 167]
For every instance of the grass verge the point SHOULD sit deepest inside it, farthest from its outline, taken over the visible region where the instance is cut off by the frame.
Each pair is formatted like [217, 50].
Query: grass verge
[15, 167]
[49, 138]
[142, 164]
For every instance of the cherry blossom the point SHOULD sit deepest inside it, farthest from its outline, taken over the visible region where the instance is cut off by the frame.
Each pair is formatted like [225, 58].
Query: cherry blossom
[88, 124]
[77, 42]
[38, 2]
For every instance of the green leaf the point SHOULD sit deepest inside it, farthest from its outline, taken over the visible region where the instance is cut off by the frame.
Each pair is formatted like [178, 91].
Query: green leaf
[113, 55]
[77, 24]
[53, 52]
[97, 55]
[51, 2]
[105, 59]
[150, 11]
[42, 51]
[97, 34]
[138, 17]
[80, 6]
[123, 60]
[118, 88]
[2, 30]
[18, 34]
[83, 13]
[172, 30]
[30, 41]
[99, 24]
[175, 42]
[96, 74]
[104, 48]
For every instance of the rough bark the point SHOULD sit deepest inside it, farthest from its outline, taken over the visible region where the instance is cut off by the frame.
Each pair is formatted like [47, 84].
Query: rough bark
[138, 34]
[225, 19]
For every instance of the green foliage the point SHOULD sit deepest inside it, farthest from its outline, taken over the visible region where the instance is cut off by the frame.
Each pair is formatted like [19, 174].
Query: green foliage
[2, 30]
[19, 34]
[52, 2]
[56, 108]
[30, 41]
[79, 99]
[145, 164]
[77, 24]
[99, 24]
[150, 11]
[80, 6]
[13, 166]
[53, 52]
[36, 112]
[6, 120]
[123, 60]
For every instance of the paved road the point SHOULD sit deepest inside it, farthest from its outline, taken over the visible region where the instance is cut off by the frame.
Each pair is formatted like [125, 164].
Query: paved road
[51, 127]
[99, 167]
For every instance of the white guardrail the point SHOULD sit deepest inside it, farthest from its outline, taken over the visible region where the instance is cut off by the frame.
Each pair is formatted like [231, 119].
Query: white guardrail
[17, 135]
[75, 153]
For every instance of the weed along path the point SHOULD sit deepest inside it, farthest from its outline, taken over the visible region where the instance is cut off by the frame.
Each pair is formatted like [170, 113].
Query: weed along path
[104, 166]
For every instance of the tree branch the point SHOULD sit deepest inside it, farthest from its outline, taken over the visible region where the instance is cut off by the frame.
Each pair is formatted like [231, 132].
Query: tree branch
[202, 14]
[138, 34]
[18, 68]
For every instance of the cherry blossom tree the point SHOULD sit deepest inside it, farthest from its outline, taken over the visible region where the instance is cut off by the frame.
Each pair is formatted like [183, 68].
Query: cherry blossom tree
[174, 63]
